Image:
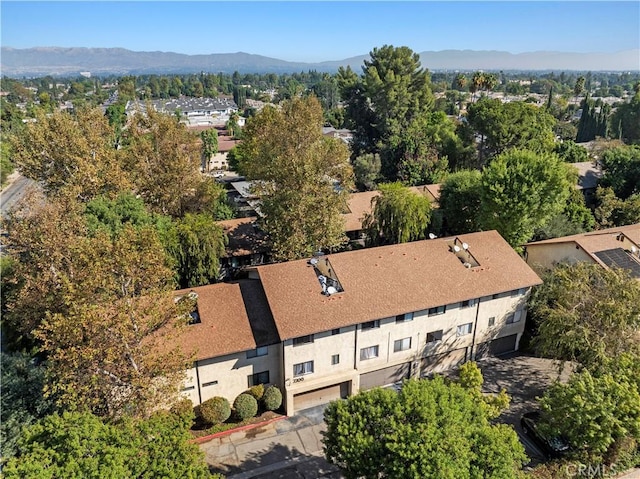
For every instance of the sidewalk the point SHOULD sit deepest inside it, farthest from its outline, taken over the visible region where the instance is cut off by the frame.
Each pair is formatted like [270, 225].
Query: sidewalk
[290, 448]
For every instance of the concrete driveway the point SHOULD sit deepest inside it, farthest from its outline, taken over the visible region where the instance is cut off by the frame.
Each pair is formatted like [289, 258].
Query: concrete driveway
[292, 447]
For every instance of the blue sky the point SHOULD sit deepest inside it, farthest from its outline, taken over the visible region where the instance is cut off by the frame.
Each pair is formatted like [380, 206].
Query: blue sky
[317, 31]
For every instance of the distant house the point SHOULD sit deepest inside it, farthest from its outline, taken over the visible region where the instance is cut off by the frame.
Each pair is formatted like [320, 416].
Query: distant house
[610, 248]
[328, 327]
[589, 175]
[194, 112]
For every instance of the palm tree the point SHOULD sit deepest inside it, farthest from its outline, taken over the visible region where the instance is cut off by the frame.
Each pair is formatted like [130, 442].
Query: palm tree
[476, 84]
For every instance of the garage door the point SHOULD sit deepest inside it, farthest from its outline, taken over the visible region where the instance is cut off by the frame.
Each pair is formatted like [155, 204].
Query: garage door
[503, 345]
[384, 377]
[320, 396]
[443, 362]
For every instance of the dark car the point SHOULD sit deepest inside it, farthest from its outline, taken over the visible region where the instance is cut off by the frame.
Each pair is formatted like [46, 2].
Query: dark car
[552, 446]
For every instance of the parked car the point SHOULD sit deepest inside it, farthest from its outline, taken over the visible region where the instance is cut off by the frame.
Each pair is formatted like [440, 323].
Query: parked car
[552, 446]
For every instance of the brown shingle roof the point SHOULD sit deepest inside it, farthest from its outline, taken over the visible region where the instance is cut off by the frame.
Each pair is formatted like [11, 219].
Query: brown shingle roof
[597, 240]
[224, 326]
[390, 280]
[245, 237]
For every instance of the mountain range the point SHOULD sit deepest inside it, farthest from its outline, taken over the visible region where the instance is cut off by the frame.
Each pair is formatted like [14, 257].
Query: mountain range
[59, 61]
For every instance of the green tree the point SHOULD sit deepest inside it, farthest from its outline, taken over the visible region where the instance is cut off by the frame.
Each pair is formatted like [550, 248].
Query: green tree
[502, 126]
[393, 92]
[611, 211]
[574, 308]
[201, 243]
[80, 445]
[431, 428]
[460, 201]
[521, 190]
[366, 169]
[70, 153]
[295, 171]
[398, 215]
[594, 412]
[621, 168]
[571, 152]
[22, 401]
[578, 88]
[625, 121]
[209, 145]
[163, 160]
[6, 166]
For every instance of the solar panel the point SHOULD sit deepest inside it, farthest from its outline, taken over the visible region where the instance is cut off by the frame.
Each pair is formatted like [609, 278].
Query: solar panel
[619, 258]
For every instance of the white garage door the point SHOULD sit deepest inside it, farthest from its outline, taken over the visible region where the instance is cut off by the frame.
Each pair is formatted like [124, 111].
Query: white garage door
[384, 377]
[320, 396]
[443, 362]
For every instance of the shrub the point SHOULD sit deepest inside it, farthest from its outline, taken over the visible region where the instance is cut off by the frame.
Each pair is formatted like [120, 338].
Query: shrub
[184, 410]
[215, 410]
[245, 406]
[272, 398]
[256, 391]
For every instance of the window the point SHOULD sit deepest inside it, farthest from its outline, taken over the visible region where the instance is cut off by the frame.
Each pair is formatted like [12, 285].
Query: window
[335, 359]
[434, 336]
[303, 340]
[335, 331]
[492, 321]
[254, 353]
[465, 329]
[437, 310]
[514, 317]
[401, 344]
[469, 303]
[369, 353]
[371, 325]
[403, 318]
[301, 369]
[258, 378]
[188, 388]
[210, 383]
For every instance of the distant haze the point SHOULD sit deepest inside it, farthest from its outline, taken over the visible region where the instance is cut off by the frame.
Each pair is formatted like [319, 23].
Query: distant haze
[58, 61]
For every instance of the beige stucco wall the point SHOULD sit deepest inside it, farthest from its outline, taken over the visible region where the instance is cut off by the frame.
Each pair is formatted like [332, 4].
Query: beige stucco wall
[545, 256]
[231, 372]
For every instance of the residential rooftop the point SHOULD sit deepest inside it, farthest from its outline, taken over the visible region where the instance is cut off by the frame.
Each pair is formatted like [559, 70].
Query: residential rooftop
[390, 280]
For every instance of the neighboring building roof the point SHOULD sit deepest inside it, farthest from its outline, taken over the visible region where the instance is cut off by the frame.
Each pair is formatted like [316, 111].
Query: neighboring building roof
[224, 326]
[600, 245]
[390, 280]
[245, 237]
[226, 144]
[359, 204]
[589, 174]
[242, 187]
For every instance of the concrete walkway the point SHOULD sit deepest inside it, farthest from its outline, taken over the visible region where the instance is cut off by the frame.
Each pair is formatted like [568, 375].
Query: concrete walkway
[287, 449]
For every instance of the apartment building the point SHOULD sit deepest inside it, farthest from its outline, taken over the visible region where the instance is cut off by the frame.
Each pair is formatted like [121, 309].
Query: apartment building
[610, 248]
[333, 325]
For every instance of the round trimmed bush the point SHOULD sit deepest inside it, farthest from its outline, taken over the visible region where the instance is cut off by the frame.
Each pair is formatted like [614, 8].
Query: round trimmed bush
[256, 391]
[183, 409]
[215, 410]
[245, 406]
[272, 398]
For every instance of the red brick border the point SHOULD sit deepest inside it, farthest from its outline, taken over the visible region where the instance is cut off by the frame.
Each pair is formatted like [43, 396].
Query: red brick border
[200, 440]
